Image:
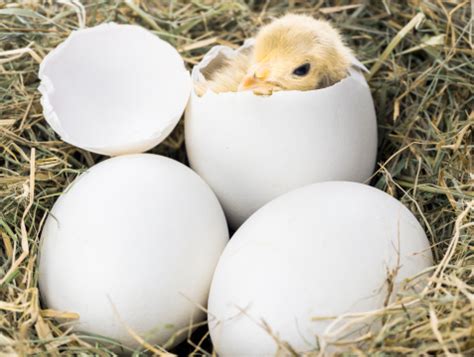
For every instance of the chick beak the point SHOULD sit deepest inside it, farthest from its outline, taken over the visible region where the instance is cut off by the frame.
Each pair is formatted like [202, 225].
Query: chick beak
[255, 79]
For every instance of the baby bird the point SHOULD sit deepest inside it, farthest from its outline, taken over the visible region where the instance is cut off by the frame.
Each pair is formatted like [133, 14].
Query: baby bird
[295, 52]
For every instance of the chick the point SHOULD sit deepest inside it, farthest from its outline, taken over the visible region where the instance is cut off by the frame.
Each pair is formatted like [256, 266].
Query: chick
[294, 52]
[228, 77]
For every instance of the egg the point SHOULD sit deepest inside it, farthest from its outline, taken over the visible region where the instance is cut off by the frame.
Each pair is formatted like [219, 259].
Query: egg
[323, 250]
[113, 89]
[132, 245]
[251, 149]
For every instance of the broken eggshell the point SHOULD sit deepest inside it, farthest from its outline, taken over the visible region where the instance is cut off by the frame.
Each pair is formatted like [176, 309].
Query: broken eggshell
[251, 149]
[113, 89]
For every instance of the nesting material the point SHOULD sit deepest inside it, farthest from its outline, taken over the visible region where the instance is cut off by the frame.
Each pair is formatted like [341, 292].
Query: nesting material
[113, 89]
[251, 149]
[325, 250]
[131, 246]
[421, 86]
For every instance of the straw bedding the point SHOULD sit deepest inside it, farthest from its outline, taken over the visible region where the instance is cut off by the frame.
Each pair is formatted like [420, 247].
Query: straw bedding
[419, 54]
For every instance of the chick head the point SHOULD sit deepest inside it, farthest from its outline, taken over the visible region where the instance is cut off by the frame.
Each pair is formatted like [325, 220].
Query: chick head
[296, 52]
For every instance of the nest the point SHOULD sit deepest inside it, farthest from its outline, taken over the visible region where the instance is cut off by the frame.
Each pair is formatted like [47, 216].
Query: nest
[421, 74]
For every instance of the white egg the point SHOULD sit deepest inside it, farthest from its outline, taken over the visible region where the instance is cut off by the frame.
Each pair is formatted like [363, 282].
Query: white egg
[318, 251]
[113, 89]
[133, 243]
[251, 149]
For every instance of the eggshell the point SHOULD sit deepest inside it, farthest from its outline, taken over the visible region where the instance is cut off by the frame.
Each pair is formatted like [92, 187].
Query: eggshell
[251, 149]
[113, 89]
[319, 251]
[133, 242]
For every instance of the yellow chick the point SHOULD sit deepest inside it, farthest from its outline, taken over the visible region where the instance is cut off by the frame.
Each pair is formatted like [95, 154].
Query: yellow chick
[294, 52]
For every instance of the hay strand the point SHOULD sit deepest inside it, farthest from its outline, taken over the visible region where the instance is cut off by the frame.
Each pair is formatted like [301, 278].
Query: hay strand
[422, 79]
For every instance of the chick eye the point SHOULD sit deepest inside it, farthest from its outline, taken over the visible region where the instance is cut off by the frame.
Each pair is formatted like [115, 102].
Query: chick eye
[302, 70]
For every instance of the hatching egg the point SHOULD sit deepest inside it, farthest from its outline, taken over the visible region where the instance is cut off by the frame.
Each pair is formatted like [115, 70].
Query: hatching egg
[113, 89]
[132, 245]
[251, 149]
[322, 251]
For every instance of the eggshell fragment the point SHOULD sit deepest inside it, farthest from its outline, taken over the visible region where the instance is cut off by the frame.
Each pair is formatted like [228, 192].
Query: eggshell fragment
[319, 251]
[113, 89]
[132, 244]
[251, 149]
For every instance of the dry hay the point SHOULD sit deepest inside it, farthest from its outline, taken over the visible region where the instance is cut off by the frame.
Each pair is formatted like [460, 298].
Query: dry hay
[421, 73]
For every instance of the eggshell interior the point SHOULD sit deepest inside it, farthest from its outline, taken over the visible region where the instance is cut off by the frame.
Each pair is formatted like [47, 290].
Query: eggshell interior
[113, 89]
[319, 251]
[132, 244]
[251, 149]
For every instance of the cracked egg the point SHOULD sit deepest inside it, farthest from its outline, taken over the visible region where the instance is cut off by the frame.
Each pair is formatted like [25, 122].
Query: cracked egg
[251, 149]
[113, 89]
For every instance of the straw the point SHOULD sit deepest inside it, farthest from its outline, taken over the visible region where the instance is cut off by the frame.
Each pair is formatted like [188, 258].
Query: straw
[421, 74]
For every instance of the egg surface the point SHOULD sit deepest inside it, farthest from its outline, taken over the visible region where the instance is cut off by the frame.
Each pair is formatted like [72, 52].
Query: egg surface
[319, 251]
[113, 89]
[132, 244]
[251, 149]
